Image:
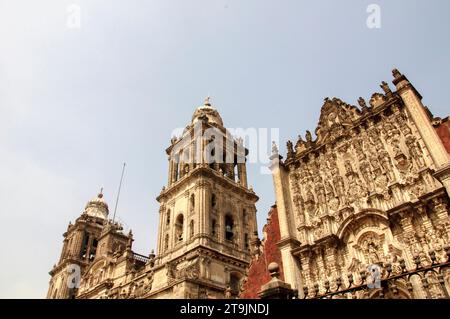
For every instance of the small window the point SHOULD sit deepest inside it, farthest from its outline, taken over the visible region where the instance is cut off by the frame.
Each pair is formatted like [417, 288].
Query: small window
[84, 246]
[213, 228]
[179, 228]
[234, 283]
[192, 202]
[93, 250]
[229, 228]
[168, 217]
[213, 200]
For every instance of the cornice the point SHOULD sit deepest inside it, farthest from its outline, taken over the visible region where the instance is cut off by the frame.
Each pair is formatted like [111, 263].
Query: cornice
[215, 177]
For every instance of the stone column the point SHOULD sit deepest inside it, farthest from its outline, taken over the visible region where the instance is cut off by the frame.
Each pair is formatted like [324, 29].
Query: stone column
[192, 156]
[408, 234]
[174, 169]
[304, 260]
[64, 250]
[170, 178]
[162, 217]
[181, 165]
[242, 173]
[331, 260]
[287, 222]
[230, 170]
[416, 110]
[75, 248]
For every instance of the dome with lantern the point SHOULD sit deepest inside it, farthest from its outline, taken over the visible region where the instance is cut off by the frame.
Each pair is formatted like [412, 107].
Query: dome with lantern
[206, 110]
[97, 207]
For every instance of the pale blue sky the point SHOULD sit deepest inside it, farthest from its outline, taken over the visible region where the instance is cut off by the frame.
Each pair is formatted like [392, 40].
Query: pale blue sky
[75, 104]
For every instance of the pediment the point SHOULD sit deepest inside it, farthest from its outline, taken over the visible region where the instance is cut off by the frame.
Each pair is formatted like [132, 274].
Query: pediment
[335, 117]
[95, 267]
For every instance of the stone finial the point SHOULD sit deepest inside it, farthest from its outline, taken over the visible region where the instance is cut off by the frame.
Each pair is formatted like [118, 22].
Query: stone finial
[400, 81]
[362, 104]
[274, 148]
[396, 73]
[290, 149]
[308, 137]
[274, 270]
[207, 101]
[275, 288]
[386, 88]
[228, 292]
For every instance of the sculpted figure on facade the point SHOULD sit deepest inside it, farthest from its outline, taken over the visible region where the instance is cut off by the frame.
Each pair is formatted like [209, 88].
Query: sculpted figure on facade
[374, 169]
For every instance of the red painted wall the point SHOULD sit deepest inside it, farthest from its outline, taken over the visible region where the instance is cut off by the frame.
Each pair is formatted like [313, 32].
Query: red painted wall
[443, 131]
[257, 273]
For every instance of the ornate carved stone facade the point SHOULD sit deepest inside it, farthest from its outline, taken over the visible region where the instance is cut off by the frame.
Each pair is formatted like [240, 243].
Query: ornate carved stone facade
[371, 189]
[207, 222]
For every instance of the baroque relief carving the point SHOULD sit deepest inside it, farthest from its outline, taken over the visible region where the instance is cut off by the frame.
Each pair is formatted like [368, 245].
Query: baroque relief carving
[362, 163]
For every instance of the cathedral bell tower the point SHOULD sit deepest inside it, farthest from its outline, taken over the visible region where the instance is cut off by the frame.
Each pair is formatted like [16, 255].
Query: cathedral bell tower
[79, 249]
[207, 216]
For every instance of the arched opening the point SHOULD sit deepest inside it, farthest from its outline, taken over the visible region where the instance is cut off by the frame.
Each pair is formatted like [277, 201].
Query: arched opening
[186, 169]
[244, 216]
[93, 250]
[213, 228]
[246, 242]
[176, 168]
[179, 228]
[192, 202]
[213, 200]
[235, 280]
[168, 217]
[229, 228]
[211, 159]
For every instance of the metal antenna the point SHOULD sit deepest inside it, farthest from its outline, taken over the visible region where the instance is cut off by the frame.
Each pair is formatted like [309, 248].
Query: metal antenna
[118, 192]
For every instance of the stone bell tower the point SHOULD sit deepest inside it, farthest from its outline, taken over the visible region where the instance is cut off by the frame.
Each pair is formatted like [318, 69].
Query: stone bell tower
[207, 216]
[79, 248]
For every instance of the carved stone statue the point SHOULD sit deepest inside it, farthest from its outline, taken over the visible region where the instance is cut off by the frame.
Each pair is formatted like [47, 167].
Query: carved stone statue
[308, 137]
[415, 151]
[290, 149]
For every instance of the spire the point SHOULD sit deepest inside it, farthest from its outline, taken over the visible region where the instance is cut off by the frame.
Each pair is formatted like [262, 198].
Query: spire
[274, 148]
